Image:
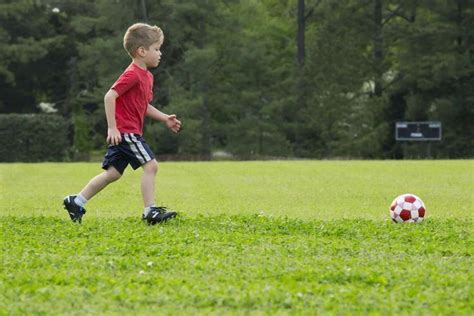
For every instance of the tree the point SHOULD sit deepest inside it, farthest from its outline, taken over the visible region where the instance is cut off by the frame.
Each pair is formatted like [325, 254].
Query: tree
[240, 79]
[32, 56]
[436, 59]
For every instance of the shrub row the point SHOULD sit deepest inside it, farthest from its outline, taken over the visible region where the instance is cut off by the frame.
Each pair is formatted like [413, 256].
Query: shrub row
[34, 137]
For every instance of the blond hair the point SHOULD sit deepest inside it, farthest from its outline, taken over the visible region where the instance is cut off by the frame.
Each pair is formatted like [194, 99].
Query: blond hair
[141, 35]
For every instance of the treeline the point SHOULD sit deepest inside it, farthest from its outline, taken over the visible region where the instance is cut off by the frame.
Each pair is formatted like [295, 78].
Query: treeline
[281, 78]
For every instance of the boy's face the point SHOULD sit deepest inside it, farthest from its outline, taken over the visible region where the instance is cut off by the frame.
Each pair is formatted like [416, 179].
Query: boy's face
[152, 55]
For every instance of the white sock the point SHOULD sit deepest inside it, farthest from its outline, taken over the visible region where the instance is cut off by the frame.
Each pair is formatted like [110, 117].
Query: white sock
[147, 209]
[80, 200]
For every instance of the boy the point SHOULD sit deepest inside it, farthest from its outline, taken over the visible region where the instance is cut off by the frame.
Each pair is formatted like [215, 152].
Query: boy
[126, 105]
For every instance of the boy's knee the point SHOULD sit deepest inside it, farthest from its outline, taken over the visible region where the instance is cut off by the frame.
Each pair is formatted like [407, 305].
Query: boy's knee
[151, 167]
[112, 174]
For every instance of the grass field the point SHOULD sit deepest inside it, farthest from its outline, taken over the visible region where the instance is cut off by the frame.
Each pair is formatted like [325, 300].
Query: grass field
[296, 237]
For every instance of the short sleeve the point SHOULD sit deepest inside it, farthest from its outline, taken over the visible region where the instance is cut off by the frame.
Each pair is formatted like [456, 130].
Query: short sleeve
[126, 81]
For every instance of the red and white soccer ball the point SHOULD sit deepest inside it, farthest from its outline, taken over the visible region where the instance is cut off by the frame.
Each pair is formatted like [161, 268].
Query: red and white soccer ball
[407, 208]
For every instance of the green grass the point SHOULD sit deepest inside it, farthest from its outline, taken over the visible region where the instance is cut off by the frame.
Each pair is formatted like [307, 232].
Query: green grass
[264, 238]
[301, 189]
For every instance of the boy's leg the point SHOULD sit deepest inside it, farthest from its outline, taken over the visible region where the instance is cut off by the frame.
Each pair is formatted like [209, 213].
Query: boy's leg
[75, 204]
[148, 182]
[99, 182]
[152, 214]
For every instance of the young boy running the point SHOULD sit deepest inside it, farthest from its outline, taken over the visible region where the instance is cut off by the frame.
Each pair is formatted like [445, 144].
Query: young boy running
[126, 105]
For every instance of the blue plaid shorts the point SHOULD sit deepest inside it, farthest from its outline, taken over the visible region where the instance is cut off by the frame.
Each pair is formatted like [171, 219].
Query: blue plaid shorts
[132, 150]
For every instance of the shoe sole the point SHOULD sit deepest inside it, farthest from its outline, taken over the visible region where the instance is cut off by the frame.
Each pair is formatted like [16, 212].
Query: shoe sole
[163, 220]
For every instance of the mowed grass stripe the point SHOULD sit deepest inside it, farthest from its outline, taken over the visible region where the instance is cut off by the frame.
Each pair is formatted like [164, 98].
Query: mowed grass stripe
[297, 189]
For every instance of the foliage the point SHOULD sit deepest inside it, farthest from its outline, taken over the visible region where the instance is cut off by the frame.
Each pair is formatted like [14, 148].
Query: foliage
[82, 131]
[41, 137]
[229, 71]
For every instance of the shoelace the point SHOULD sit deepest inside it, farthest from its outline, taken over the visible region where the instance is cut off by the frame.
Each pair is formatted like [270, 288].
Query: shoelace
[159, 209]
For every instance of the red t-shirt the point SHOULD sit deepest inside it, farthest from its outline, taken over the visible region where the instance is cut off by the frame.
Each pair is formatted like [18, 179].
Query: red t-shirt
[135, 90]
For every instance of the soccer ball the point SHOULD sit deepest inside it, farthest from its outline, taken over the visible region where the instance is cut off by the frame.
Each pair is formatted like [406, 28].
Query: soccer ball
[407, 208]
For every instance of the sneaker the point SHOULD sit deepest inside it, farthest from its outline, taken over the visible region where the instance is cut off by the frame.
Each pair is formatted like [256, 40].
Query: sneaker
[158, 215]
[75, 211]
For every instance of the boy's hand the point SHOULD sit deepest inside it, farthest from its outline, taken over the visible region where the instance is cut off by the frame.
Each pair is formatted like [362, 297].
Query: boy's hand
[113, 136]
[173, 123]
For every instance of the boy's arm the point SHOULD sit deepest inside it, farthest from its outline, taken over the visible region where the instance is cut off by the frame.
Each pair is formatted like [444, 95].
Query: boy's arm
[170, 120]
[113, 134]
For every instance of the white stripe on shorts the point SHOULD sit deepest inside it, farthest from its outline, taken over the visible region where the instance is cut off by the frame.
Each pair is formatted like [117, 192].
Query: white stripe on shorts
[134, 148]
[141, 148]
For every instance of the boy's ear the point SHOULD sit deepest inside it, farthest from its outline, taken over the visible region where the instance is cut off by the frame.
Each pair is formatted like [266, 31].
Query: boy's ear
[141, 51]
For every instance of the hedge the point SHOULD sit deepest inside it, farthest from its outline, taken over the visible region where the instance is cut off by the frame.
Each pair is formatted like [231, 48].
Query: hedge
[34, 137]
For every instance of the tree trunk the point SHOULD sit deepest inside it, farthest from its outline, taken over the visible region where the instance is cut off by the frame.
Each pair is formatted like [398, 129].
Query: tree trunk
[459, 21]
[378, 48]
[299, 110]
[144, 11]
[300, 35]
[413, 5]
[301, 85]
[206, 119]
[205, 112]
